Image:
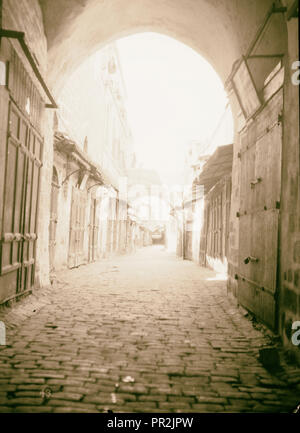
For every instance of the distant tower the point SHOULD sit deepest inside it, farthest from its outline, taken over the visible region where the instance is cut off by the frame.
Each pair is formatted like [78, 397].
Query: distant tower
[85, 145]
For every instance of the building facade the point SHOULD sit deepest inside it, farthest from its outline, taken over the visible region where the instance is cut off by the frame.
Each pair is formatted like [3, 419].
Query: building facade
[93, 152]
[216, 180]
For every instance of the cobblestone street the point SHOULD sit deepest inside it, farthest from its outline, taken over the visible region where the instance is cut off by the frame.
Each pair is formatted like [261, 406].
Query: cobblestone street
[141, 333]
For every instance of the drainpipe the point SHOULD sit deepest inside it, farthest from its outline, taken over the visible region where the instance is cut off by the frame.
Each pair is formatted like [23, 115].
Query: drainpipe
[20, 36]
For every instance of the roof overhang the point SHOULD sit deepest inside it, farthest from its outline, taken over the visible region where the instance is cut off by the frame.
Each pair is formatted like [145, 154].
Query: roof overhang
[217, 166]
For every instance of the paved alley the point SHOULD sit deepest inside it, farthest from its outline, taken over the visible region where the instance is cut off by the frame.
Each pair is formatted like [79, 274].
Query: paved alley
[146, 332]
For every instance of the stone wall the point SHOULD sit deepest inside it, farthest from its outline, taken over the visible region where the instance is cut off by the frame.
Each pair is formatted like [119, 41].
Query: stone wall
[93, 114]
[233, 239]
[289, 276]
[26, 16]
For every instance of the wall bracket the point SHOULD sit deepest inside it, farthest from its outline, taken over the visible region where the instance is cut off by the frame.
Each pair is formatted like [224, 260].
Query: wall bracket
[20, 36]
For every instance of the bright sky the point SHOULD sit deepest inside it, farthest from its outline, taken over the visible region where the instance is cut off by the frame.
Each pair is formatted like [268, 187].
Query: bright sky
[174, 96]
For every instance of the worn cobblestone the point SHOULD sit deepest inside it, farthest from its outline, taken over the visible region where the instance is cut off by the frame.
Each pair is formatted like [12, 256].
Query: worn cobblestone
[157, 335]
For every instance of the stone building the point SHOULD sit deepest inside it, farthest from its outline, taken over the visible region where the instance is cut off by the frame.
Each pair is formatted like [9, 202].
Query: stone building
[92, 153]
[216, 180]
[185, 223]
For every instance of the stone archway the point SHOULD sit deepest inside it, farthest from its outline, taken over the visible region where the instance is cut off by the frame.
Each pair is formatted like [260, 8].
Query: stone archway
[62, 33]
[218, 30]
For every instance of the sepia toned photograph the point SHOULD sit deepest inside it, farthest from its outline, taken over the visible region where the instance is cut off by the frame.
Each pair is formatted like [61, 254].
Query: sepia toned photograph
[149, 210]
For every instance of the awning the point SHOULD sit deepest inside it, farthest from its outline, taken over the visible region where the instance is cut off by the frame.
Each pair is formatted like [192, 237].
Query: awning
[217, 166]
[64, 144]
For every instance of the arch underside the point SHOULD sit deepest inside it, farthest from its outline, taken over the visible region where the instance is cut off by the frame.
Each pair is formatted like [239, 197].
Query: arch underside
[219, 30]
[222, 31]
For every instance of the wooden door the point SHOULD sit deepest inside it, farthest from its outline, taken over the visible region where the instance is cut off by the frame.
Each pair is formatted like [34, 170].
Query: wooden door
[20, 162]
[259, 212]
[20, 205]
[77, 228]
[93, 231]
[53, 219]
[188, 254]
[216, 225]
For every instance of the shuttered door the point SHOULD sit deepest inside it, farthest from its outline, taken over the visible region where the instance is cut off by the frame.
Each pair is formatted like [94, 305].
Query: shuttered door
[93, 231]
[77, 228]
[21, 163]
[53, 219]
[204, 237]
[30, 214]
[21, 189]
[259, 213]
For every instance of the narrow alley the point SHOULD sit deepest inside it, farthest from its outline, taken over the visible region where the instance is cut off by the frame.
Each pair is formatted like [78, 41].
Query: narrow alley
[149, 207]
[145, 332]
